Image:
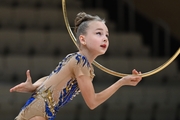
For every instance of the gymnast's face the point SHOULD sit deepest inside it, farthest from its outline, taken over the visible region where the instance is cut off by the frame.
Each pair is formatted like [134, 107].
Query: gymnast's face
[96, 37]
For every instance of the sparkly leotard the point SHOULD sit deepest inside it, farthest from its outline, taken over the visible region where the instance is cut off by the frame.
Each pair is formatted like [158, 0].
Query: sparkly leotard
[58, 89]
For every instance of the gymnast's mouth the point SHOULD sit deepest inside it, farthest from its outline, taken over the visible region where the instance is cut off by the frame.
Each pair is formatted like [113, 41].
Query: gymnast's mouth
[103, 46]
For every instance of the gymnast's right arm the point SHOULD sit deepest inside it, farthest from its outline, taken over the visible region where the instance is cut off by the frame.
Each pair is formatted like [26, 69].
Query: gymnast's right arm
[28, 86]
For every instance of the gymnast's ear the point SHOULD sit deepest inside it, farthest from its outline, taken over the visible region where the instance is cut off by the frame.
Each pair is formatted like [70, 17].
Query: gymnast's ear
[82, 39]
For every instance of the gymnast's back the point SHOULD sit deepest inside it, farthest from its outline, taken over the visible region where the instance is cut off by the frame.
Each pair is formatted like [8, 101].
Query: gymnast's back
[59, 88]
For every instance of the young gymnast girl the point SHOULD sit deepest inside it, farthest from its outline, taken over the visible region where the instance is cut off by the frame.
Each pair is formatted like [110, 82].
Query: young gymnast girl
[73, 74]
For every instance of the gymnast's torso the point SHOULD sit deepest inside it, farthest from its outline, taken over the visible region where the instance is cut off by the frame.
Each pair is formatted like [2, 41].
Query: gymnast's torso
[58, 89]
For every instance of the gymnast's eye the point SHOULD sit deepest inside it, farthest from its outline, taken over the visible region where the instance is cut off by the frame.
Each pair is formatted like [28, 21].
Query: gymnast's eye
[107, 35]
[98, 33]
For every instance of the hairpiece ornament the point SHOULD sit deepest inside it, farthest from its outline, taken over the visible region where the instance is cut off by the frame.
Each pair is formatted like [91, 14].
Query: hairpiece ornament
[106, 69]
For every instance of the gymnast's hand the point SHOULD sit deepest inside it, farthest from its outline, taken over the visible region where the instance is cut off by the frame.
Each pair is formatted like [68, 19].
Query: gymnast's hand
[24, 87]
[133, 79]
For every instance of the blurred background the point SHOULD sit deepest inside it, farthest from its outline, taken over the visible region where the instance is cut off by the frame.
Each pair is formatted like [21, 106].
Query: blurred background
[143, 35]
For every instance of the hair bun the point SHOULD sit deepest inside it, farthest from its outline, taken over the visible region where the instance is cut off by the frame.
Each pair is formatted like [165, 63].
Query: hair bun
[81, 14]
[83, 17]
[80, 17]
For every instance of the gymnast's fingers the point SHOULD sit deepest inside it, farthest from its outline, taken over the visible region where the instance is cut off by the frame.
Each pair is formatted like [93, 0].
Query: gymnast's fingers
[14, 89]
[135, 72]
[28, 76]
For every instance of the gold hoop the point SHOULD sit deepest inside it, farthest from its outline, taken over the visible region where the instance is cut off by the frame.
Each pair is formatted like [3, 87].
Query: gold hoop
[106, 69]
